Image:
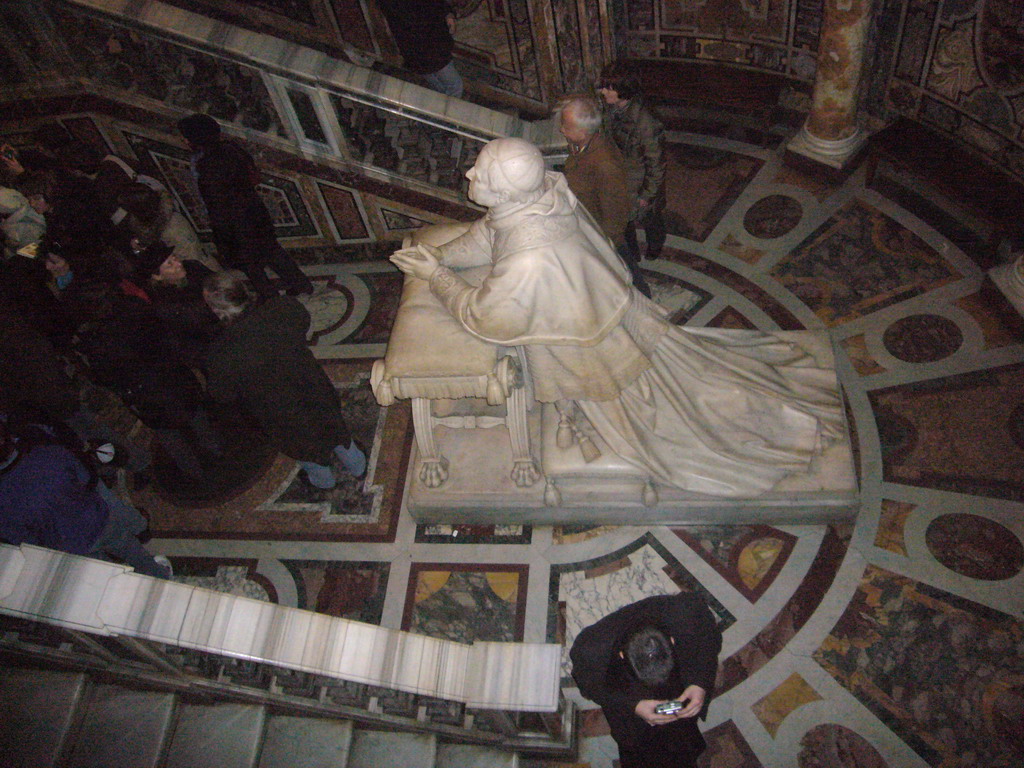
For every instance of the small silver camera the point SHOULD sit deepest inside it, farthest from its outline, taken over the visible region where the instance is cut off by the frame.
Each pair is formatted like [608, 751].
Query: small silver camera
[668, 707]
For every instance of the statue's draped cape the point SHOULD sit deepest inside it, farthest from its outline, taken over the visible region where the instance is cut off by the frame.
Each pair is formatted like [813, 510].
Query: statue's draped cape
[722, 412]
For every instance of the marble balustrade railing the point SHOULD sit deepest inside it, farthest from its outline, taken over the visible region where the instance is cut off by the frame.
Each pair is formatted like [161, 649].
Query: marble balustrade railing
[317, 70]
[102, 598]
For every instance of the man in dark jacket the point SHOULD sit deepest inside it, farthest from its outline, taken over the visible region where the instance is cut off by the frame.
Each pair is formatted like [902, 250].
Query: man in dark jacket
[659, 650]
[242, 228]
[423, 31]
[260, 359]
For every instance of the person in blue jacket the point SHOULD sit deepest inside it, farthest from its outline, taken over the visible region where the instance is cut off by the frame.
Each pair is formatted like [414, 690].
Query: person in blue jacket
[50, 499]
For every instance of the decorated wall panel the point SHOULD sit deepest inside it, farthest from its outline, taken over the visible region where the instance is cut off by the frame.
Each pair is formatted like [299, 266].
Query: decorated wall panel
[323, 214]
[119, 57]
[404, 146]
[136, 83]
[960, 68]
[775, 35]
[495, 44]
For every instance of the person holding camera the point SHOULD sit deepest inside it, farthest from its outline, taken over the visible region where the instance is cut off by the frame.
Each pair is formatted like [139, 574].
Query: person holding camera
[651, 666]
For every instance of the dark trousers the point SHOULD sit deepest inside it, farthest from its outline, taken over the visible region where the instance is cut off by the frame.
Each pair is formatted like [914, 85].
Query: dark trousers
[633, 263]
[642, 759]
[652, 222]
[279, 261]
[245, 240]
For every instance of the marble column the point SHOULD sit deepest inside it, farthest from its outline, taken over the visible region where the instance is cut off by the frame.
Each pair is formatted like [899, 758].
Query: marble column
[831, 135]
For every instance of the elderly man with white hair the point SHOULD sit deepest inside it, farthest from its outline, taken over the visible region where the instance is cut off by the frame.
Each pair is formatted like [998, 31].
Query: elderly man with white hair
[597, 175]
[720, 412]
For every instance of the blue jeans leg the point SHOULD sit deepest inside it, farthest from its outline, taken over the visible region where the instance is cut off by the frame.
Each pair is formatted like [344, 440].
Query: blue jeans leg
[119, 538]
[319, 475]
[352, 458]
[446, 80]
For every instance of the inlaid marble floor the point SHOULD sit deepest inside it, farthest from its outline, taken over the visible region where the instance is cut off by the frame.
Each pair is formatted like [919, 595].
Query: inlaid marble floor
[894, 641]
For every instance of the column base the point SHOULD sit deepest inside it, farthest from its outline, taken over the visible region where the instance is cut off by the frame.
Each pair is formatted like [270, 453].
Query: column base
[836, 158]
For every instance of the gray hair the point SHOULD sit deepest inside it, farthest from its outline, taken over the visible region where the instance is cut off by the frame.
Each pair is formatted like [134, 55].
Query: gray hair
[228, 294]
[583, 110]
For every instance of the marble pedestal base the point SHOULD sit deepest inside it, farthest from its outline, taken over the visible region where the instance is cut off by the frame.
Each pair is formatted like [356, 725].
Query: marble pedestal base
[836, 154]
[1007, 278]
[480, 490]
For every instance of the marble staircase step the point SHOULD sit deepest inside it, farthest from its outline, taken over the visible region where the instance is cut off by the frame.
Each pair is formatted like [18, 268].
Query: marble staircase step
[306, 742]
[122, 728]
[38, 712]
[376, 749]
[221, 735]
[474, 756]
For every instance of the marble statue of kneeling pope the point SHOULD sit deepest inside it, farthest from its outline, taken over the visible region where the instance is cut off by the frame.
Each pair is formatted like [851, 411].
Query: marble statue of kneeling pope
[718, 412]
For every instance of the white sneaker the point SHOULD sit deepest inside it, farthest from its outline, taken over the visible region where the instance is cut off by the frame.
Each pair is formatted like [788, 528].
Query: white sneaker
[162, 560]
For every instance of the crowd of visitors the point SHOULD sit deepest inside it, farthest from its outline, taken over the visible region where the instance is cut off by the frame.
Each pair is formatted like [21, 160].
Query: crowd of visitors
[105, 286]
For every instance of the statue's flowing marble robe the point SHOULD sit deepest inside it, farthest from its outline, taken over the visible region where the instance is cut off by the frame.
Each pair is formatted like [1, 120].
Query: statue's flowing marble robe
[720, 412]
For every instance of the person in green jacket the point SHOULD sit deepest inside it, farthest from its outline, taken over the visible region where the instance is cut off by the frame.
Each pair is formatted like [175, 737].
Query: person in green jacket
[641, 138]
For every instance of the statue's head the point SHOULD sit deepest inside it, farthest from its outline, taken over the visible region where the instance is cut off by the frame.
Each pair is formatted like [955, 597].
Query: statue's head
[506, 170]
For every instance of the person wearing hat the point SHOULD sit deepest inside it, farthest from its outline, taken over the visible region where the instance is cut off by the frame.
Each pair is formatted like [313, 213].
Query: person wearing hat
[242, 228]
[175, 288]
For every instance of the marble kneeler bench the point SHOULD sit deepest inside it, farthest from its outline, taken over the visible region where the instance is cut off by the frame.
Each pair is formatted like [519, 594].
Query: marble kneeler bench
[454, 380]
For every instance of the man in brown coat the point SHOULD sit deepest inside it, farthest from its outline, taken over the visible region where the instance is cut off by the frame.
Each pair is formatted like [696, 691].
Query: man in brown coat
[596, 172]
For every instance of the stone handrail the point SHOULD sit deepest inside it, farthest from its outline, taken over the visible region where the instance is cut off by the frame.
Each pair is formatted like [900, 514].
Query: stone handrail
[102, 598]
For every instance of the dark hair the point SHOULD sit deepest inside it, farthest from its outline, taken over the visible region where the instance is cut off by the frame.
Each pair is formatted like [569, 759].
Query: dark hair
[199, 129]
[52, 136]
[141, 202]
[148, 260]
[620, 78]
[650, 655]
[80, 157]
[43, 183]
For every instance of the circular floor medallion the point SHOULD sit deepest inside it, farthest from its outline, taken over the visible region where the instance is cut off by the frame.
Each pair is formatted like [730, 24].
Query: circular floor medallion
[975, 546]
[922, 338]
[773, 216]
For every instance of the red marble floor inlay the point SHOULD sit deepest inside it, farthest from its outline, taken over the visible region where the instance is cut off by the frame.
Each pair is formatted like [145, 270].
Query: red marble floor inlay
[975, 546]
[701, 184]
[773, 216]
[833, 746]
[922, 338]
[764, 301]
[961, 433]
[801, 605]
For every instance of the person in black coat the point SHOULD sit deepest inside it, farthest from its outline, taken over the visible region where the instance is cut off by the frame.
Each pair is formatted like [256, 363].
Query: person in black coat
[658, 650]
[242, 228]
[175, 287]
[423, 31]
[261, 360]
[127, 350]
